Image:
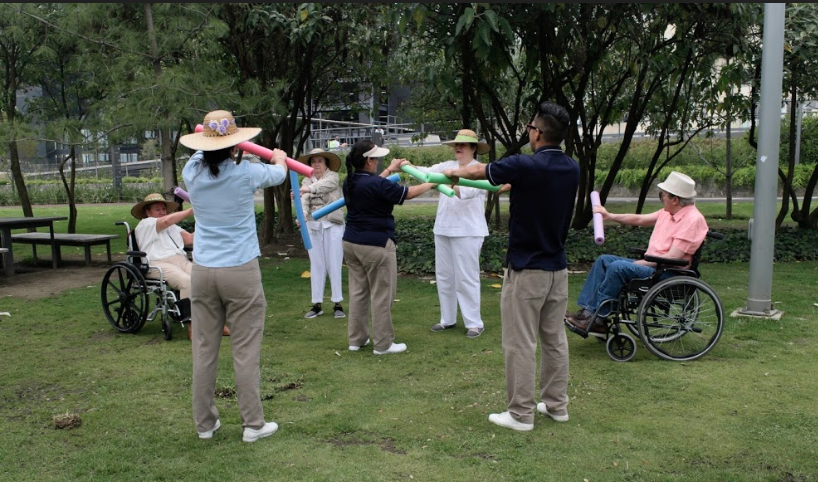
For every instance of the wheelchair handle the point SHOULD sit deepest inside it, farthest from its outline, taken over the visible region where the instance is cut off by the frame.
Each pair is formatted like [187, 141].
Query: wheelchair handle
[714, 235]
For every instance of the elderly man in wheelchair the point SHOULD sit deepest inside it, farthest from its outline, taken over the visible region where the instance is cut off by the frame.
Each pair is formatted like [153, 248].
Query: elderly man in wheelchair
[617, 287]
[156, 260]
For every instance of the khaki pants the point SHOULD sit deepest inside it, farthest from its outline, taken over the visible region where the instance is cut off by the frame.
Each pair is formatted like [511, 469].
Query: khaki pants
[373, 279]
[234, 296]
[533, 306]
[176, 271]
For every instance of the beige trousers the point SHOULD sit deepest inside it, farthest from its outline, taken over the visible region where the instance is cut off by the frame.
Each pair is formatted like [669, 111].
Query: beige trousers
[176, 271]
[533, 306]
[232, 296]
[373, 279]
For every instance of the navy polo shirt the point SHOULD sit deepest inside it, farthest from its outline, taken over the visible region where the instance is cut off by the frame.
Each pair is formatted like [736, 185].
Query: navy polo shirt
[542, 197]
[369, 206]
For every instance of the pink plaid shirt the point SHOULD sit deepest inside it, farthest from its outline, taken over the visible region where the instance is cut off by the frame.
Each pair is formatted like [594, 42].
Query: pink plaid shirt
[685, 230]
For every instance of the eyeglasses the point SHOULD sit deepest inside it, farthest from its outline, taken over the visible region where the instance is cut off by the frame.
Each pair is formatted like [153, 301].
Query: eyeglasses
[528, 128]
[662, 195]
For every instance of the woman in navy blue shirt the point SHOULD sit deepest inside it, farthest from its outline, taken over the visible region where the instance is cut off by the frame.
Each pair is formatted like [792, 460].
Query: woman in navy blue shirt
[369, 245]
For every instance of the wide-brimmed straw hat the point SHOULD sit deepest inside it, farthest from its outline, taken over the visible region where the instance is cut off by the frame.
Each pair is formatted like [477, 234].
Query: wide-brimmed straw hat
[333, 161]
[680, 185]
[468, 136]
[138, 211]
[220, 132]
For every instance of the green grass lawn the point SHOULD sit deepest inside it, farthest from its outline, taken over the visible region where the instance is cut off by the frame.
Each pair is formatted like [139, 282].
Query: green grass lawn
[744, 412]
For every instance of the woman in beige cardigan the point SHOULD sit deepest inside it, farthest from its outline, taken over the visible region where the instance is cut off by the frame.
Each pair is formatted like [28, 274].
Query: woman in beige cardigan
[327, 253]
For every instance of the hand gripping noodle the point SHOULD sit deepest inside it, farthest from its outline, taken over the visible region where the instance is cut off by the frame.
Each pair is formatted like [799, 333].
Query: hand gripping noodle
[424, 178]
[338, 204]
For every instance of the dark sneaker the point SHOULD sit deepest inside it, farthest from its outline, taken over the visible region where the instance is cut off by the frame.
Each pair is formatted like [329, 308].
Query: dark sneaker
[339, 311]
[314, 311]
[441, 327]
[474, 332]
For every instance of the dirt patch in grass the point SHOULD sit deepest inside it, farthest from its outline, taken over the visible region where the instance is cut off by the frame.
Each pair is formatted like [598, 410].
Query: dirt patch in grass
[41, 281]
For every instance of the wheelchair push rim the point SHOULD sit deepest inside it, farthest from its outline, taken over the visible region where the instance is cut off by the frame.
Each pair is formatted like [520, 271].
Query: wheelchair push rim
[680, 319]
[124, 298]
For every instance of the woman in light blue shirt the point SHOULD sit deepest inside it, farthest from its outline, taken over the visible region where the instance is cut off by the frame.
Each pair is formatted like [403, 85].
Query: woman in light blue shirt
[226, 280]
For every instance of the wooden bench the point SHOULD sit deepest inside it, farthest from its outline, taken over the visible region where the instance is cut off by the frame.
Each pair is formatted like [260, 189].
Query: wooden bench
[66, 239]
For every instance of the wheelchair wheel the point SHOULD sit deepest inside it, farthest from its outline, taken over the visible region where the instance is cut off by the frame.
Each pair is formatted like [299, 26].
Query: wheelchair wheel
[621, 347]
[167, 326]
[681, 319]
[124, 298]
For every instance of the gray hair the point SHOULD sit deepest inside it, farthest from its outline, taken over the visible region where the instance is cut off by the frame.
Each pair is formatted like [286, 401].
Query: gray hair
[686, 201]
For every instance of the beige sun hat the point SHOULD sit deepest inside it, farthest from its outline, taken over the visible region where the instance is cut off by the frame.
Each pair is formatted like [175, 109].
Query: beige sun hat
[138, 211]
[468, 136]
[220, 131]
[680, 185]
[333, 161]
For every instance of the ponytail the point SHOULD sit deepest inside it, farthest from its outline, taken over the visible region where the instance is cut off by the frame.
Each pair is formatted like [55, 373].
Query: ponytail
[355, 160]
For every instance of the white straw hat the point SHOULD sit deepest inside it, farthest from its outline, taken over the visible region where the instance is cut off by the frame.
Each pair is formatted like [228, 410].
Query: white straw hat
[680, 185]
[220, 131]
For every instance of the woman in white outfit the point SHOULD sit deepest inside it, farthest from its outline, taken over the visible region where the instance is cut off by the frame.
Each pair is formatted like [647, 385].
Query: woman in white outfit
[326, 234]
[460, 226]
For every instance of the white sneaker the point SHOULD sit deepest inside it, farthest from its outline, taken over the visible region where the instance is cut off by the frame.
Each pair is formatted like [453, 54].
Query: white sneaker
[506, 420]
[395, 348]
[209, 433]
[251, 435]
[356, 348]
[544, 410]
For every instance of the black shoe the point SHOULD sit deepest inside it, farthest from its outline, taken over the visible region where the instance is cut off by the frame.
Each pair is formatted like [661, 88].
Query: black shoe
[339, 311]
[315, 311]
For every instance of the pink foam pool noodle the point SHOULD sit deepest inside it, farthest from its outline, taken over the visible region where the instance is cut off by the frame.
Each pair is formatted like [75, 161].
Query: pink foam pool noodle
[267, 154]
[599, 234]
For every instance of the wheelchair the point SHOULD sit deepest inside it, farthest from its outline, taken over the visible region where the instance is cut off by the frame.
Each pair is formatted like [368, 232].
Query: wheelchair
[677, 316]
[126, 293]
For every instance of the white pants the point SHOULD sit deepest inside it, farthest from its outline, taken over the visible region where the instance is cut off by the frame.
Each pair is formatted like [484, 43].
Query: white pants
[457, 271]
[326, 257]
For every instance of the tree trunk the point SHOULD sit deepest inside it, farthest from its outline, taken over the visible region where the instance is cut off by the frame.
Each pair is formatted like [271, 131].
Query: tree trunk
[785, 200]
[69, 189]
[728, 171]
[19, 180]
[168, 167]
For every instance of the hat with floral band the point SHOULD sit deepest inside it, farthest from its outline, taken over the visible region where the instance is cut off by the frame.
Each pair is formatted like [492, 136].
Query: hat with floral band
[219, 132]
[468, 136]
[138, 211]
[332, 160]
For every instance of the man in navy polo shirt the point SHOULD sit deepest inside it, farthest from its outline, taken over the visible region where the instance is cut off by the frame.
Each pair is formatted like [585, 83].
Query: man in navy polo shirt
[535, 286]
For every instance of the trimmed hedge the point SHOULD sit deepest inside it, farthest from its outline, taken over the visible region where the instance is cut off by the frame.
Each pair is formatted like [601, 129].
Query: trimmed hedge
[416, 247]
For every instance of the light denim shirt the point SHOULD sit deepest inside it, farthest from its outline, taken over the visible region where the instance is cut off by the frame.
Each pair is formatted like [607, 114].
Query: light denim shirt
[224, 209]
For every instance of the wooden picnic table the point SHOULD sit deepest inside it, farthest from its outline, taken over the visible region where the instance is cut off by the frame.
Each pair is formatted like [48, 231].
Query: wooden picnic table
[7, 224]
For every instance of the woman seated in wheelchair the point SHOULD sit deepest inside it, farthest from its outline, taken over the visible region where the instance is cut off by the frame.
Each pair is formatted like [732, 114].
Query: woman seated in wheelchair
[679, 230]
[163, 241]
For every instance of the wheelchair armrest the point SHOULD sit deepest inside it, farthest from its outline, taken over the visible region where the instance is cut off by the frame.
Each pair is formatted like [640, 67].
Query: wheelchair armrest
[667, 261]
[137, 254]
[637, 251]
[715, 235]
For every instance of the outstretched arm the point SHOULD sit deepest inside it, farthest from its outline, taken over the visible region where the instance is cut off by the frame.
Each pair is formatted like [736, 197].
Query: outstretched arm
[165, 221]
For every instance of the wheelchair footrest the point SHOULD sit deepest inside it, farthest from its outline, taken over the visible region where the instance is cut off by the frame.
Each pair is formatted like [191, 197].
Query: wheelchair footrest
[574, 329]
